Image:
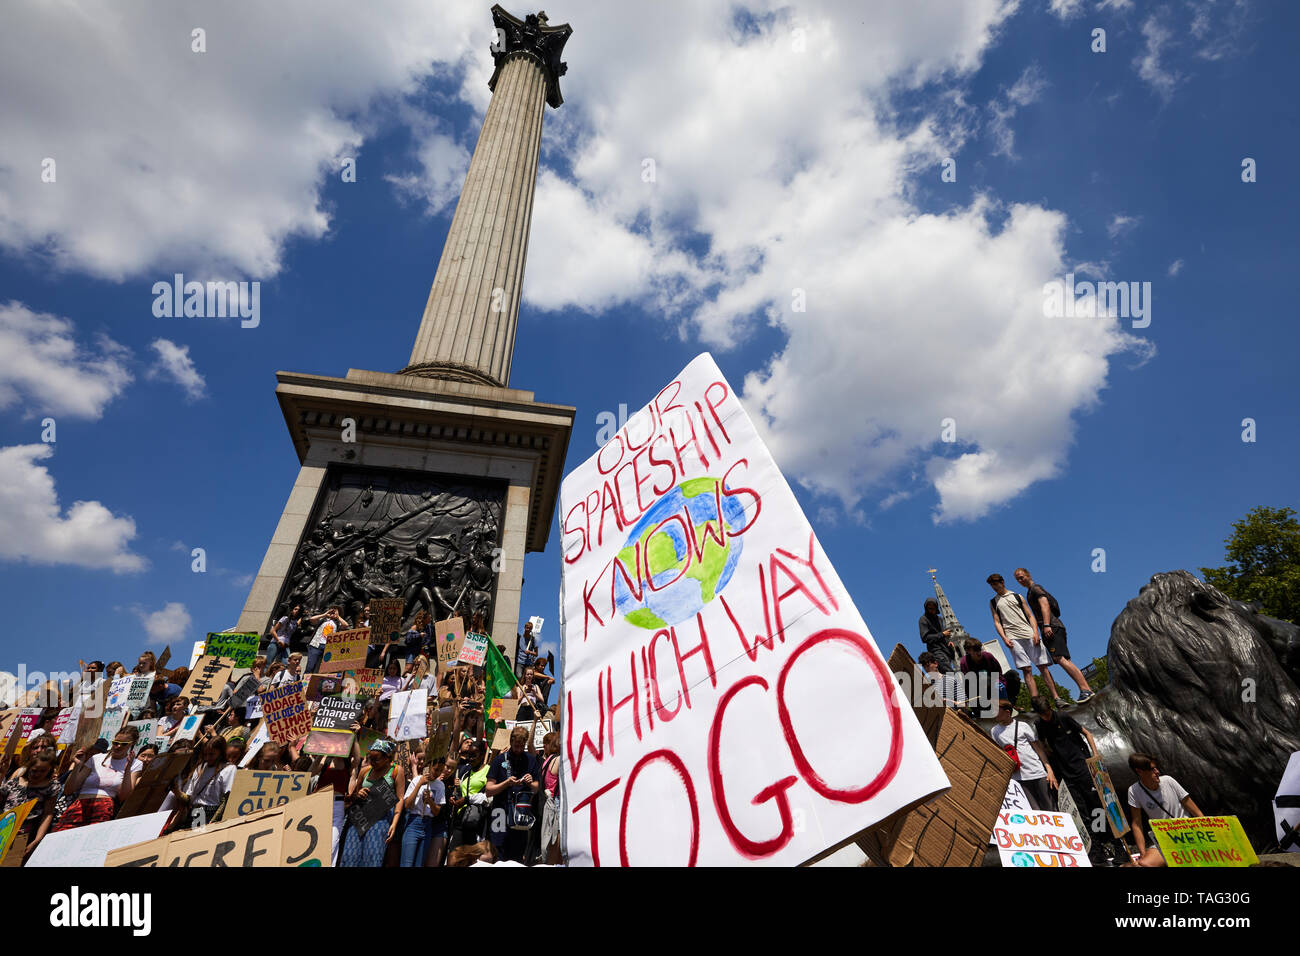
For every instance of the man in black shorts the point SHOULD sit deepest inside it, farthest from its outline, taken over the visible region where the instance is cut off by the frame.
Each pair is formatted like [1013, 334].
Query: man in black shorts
[1047, 611]
[1071, 745]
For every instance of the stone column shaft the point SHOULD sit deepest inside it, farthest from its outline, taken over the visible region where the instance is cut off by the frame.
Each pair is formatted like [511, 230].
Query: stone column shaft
[473, 308]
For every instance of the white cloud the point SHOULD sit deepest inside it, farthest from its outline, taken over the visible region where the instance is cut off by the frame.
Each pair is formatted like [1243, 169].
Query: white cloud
[1115, 5]
[1066, 9]
[1121, 224]
[443, 164]
[170, 623]
[44, 368]
[1175, 267]
[777, 167]
[174, 363]
[210, 161]
[34, 527]
[1026, 90]
[1150, 63]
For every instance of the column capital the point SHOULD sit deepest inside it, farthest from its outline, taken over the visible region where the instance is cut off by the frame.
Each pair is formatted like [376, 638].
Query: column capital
[533, 37]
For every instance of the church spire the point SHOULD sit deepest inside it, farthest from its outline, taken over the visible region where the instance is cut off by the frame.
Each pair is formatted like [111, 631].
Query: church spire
[950, 622]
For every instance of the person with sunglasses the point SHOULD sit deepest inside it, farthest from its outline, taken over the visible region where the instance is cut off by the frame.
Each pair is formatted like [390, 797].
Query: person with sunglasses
[99, 780]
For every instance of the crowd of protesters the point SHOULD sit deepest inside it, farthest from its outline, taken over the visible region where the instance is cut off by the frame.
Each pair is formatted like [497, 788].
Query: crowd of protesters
[1049, 746]
[465, 804]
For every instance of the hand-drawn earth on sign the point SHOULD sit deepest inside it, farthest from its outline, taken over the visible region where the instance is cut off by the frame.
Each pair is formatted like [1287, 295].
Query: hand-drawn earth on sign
[679, 565]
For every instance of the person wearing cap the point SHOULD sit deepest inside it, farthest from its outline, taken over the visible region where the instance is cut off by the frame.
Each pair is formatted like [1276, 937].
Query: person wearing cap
[379, 769]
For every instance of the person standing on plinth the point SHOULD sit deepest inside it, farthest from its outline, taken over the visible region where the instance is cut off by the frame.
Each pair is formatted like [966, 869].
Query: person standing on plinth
[1048, 612]
[1015, 625]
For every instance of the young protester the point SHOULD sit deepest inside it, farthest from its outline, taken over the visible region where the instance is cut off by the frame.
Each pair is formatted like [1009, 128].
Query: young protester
[469, 799]
[1070, 746]
[143, 757]
[368, 850]
[423, 804]
[146, 665]
[171, 722]
[36, 746]
[392, 682]
[936, 637]
[543, 681]
[292, 670]
[1018, 738]
[98, 780]
[331, 621]
[35, 780]
[550, 773]
[1016, 627]
[990, 680]
[441, 831]
[1048, 613]
[278, 648]
[197, 800]
[512, 783]
[1160, 797]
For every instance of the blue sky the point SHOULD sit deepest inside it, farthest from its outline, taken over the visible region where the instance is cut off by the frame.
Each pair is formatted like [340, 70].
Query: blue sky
[1124, 165]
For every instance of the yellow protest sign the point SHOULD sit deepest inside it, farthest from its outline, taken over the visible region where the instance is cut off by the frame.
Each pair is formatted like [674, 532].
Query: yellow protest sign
[1204, 841]
[345, 650]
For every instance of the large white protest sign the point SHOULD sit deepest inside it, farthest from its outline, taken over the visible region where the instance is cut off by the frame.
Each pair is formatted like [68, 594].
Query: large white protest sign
[1029, 837]
[406, 715]
[724, 701]
[88, 845]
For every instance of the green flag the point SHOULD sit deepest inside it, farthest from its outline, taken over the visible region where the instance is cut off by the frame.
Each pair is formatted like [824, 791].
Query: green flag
[499, 679]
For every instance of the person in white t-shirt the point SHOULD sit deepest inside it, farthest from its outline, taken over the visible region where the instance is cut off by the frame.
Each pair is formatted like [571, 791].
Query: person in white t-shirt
[1018, 629]
[201, 793]
[331, 621]
[1035, 771]
[1160, 798]
[424, 801]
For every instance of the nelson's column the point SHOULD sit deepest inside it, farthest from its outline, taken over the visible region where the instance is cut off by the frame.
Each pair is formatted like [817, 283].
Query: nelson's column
[431, 483]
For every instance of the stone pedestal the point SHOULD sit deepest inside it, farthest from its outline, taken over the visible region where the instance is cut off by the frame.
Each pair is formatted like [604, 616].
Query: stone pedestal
[401, 424]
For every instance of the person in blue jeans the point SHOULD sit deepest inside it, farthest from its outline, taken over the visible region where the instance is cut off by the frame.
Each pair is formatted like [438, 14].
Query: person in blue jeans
[424, 802]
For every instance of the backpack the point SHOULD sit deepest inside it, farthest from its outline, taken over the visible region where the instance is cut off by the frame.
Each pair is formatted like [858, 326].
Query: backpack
[519, 805]
[993, 604]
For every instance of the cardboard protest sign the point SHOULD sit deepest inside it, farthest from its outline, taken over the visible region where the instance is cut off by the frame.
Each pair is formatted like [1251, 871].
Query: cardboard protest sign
[244, 691]
[65, 725]
[148, 730]
[11, 823]
[160, 668]
[89, 845]
[118, 691]
[294, 834]
[138, 694]
[208, 680]
[189, 727]
[21, 728]
[345, 650]
[474, 650]
[381, 800]
[1203, 841]
[331, 727]
[154, 784]
[406, 711]
[537, 728]
[255, 790]
[261, 734]
[1029, 837]
[449, 639]
[324, 685]
[368, 681]
[286, 712]
[700, 612]
[440, 721]
[1115, 815]
[239, 647]
[1066, 803]
[386, 618]
[1286, 807]
[500, 739]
